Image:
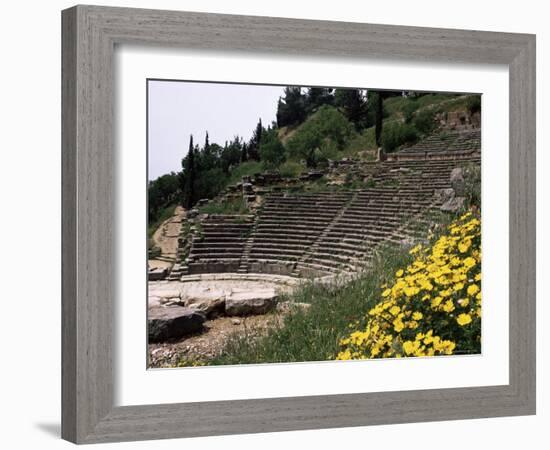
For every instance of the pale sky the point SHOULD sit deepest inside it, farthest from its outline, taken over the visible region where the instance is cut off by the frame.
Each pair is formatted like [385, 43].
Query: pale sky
[180, 108]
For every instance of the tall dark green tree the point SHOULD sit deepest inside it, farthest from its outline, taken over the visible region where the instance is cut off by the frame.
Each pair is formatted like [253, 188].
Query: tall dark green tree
[376, 104]
[207, 158]
[378, 117]
[354, 106]
[253, 148]
[162, 192]
[272, 151]
[244, 153]
[291, 108]
[231, 154]
[317, 96]
[189, 176]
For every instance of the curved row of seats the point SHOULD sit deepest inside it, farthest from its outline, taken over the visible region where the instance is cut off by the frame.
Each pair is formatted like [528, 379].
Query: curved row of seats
[219, 245]
[447, 142]
[326, 232]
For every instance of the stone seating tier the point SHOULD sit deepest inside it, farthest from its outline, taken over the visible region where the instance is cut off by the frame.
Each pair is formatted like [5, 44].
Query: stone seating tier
[327, 232]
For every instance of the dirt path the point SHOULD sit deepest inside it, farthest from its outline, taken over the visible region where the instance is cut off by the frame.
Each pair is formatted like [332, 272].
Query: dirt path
[166, 238]
[210, 343]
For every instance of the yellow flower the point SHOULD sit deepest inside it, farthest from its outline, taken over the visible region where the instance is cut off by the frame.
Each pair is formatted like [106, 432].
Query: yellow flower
[472, 289]
[464, 319]
[410, 291]
[395, 310]
[469, 262]
[464, 246]
[458, 287]
[450, 269]
[415, 249]
[448, 306]
[410, 347]
[398, 325]
[436, 301]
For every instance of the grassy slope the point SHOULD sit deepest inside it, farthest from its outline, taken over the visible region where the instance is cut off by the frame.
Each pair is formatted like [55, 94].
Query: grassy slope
[313, 334]
[164, 214]
[394, 106]
[237, 206]
[361, 141]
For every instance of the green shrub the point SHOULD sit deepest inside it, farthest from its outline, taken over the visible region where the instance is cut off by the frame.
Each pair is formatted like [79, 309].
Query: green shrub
[326, 130]
[423, 121]
[396, 134]
[233, 206]
[473, 103]
[244, 169]
[272, 151]
[409, 108]
[162, 215]
[291, 169]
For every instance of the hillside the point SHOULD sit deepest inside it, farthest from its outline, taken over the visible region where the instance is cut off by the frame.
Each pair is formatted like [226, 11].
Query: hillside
[324, 132]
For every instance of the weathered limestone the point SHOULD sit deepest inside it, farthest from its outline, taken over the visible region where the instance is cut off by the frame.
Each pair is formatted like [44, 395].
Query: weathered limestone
[247, 303]
[157, 273]
[453, 205]
[211, 295]
[173, 322]
[457, 181]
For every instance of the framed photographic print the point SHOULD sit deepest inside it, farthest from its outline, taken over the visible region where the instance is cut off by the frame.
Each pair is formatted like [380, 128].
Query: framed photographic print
[277, 224]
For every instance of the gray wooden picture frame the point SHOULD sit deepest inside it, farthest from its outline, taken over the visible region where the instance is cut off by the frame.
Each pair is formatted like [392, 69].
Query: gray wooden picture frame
[90, 34]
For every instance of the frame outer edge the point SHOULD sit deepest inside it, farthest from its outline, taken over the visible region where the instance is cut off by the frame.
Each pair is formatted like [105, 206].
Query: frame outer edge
[89, 415]
[68, 223]
[88, 185]
[523, 225]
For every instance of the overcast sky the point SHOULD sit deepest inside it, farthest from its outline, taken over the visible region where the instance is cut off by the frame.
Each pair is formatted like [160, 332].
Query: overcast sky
[180, 108]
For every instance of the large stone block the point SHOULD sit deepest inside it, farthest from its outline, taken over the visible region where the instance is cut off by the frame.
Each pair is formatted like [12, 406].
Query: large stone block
[173, 322]
[457, 181]
[453, 205]
[249, 303]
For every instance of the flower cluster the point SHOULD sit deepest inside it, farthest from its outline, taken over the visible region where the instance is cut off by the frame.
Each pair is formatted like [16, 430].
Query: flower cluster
[434, 304]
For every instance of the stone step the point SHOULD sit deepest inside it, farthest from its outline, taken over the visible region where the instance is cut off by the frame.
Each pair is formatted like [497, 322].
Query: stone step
[214, 255]
[275, 251]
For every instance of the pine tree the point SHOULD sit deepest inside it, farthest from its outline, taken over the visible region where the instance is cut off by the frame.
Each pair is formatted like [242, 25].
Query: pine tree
[378, 117]
[318, 96]
[244, 153]
[291, 109]
[354, 106]
[189, 169]
[254, 144]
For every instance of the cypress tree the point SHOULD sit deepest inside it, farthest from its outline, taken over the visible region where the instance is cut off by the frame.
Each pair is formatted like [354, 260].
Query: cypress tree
[188, 192]
[378, 117]
[291, 109]
[244, 153]
[254, 145]
[353, 103]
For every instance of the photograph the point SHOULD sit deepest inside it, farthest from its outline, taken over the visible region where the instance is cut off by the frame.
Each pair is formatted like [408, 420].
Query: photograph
[302, 223]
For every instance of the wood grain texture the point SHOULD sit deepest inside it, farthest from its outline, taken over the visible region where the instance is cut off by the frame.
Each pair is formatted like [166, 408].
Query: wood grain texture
[89, 36]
